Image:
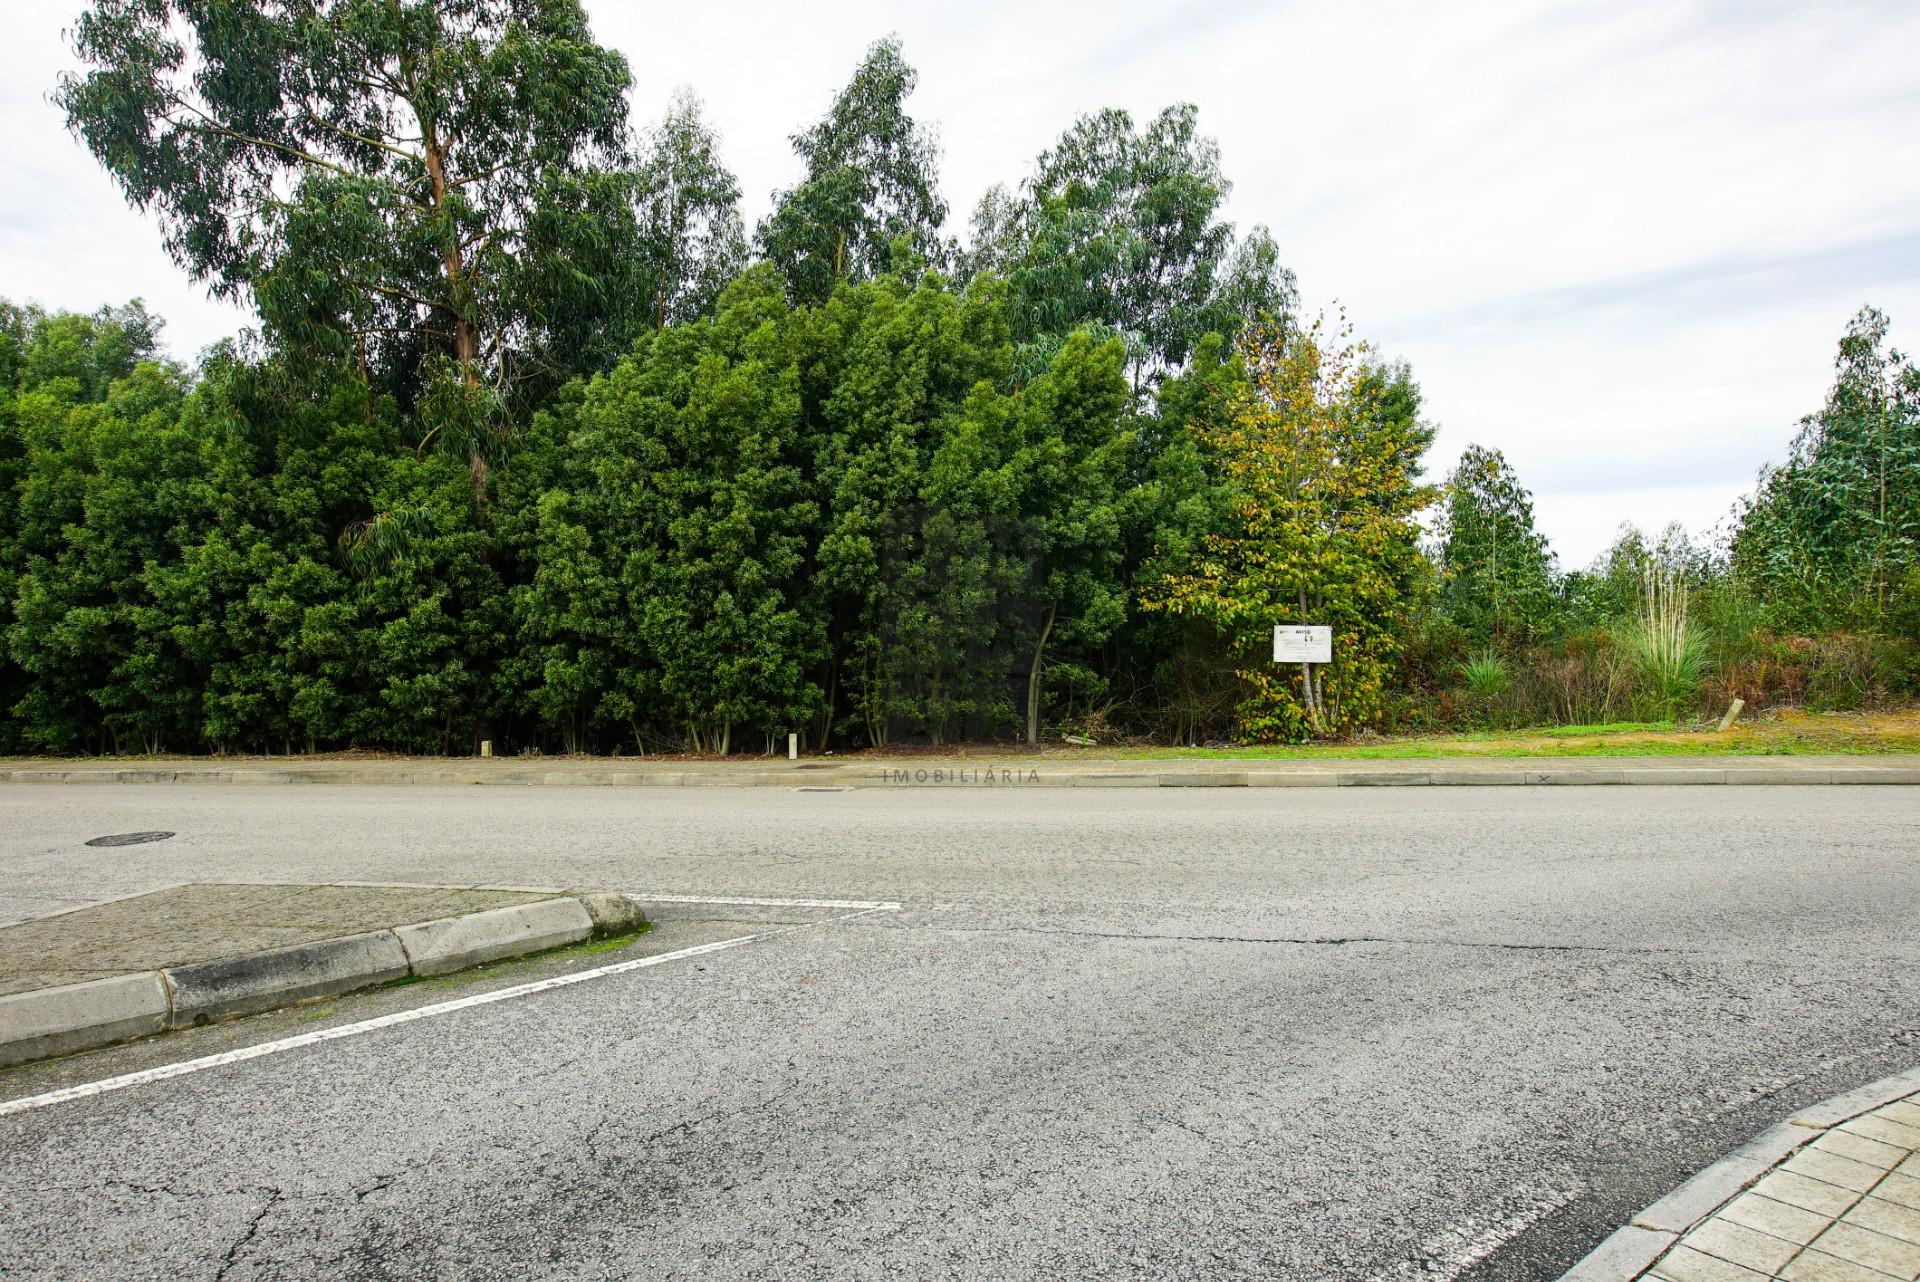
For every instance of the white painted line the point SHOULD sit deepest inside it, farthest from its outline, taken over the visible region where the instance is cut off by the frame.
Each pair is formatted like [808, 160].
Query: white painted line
[751, 902]
[1447, 1255]
[245, 1053]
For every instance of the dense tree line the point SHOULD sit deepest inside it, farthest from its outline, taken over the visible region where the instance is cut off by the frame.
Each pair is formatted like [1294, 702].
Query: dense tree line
[536, 444]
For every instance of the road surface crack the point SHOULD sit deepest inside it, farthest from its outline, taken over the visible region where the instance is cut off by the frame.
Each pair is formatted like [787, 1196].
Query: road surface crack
[232, 1257]
[1314, 941]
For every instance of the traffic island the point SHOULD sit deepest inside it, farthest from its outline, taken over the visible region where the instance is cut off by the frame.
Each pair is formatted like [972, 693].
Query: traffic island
[195, 954]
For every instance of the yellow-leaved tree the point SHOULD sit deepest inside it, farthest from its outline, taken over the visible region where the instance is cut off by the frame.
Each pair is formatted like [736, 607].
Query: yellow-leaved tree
[1321, 450]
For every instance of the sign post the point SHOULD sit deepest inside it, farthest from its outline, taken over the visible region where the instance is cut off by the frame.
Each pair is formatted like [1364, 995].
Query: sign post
[1305, 645]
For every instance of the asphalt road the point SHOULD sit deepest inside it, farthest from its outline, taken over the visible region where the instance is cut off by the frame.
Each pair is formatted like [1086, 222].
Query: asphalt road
[1326, 1033]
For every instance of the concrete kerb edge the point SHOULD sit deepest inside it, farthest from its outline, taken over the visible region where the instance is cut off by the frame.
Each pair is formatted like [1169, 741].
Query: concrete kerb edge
[1632, 1249]
[1510, 772]
[46, 1022]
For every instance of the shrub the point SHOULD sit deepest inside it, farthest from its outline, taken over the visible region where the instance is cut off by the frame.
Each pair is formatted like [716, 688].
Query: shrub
[1667, 653]
[1486, 674]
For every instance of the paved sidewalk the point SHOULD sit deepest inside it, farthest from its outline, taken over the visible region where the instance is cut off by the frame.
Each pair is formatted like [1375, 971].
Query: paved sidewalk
[985, 771]
[183, 925]
[1845, 1208]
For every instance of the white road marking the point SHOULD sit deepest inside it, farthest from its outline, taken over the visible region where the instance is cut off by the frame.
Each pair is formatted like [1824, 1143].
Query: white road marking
[867, 904]
[1447, 1255]
[245, 1053]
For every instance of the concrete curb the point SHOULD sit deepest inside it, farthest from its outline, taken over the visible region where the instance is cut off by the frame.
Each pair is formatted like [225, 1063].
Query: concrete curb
[203, 992]
[1632, 1249]
[988, 774]
[437, 947]
[74, 1017]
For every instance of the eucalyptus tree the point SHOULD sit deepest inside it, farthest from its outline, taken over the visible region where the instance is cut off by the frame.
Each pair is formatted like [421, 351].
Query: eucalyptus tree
[1834, 532]
[1496, 572]
[691, 241]
[1118, 228]
[872, 183]
[438, 190]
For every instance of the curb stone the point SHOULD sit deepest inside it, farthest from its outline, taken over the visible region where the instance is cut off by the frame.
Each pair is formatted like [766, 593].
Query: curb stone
[611, 912]
[202, 992]
[1632, 1249]
[72, 1017]
[1226, 773]
[44, 1022]
[437, 947]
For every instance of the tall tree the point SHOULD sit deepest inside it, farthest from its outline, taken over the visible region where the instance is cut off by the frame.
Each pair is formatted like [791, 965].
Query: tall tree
[1073, 460]
[1834, 531]
[1119, 228]
[1496, 571]
[872, 182]
[88, 456]
[1322, 457]
[905, 405]
[437, 189]
[691, 242]
[671, 582]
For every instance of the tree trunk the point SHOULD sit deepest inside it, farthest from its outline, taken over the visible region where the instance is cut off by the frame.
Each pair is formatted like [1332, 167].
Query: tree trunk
[466, 342]
[1033, 677]
[833, 691]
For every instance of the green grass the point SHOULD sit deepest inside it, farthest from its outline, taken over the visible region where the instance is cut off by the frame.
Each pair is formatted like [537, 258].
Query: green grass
[1789, 734]
[1608, 727]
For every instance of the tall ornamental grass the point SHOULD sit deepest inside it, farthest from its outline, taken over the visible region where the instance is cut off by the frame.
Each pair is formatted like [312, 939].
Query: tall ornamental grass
[1665, 651]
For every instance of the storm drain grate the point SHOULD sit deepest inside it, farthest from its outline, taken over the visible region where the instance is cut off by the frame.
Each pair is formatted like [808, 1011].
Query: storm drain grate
[821, 787]
[129, 838]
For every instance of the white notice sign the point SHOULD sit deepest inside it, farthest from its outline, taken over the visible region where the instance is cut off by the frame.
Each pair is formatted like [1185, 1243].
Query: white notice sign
[1302, 645]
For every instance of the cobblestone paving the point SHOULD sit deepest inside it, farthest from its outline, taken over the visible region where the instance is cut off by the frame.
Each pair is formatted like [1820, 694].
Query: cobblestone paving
[197, 923]
[1845, 1208]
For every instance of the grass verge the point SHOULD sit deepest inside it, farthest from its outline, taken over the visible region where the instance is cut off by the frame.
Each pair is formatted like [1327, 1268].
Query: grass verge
[1779, 734]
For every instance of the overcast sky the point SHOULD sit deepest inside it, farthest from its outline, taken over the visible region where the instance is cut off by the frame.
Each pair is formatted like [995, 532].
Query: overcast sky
[1618, 241]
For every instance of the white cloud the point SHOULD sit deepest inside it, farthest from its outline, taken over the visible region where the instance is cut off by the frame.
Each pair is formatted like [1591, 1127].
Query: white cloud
[1616, 240]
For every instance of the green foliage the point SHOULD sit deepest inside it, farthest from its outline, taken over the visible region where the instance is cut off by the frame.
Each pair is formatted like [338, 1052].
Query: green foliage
[1832, 537]
[691, 527]
[389, 184]
[1665, 649]
[870, 202]
[691, 242]
[528, 450]
[1486, 674]
[1119, 230]
[1321, 453]
[1496, 574]
[917, 545]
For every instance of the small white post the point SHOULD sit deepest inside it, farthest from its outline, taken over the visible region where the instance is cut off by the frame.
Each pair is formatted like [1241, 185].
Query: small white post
[793, 747]
[486, 747]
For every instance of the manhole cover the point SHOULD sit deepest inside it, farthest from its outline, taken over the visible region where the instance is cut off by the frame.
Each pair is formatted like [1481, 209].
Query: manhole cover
[130, 838]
